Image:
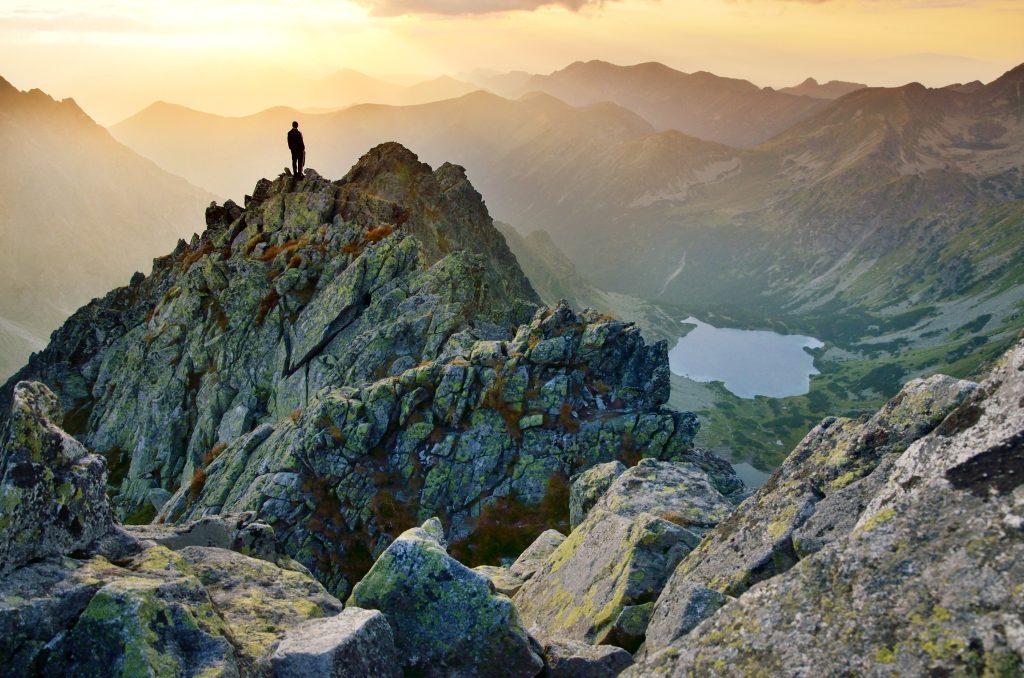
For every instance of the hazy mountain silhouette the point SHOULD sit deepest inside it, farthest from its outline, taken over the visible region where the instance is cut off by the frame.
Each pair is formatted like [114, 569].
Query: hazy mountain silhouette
[728, 110]
[80, 213]
[348, 87]
[833, 89]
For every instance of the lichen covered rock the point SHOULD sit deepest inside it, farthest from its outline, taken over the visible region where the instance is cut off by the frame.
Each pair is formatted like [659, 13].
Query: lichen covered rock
[926, 583]
[588, 486]
[532, 559]
[52, 491]
[504, 580]
[599, 585]
[445, 618]
[576, 659]
[757, 541]
[355, 642]
[154, 619]
[259, 601]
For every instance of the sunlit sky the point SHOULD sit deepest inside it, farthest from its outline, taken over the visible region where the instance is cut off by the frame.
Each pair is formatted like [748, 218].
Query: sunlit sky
[234, 56]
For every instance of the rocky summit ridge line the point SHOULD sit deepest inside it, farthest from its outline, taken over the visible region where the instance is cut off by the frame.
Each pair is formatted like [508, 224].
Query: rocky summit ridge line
[347, 359]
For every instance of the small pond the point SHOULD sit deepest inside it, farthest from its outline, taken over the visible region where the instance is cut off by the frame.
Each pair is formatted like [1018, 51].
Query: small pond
[748, 362]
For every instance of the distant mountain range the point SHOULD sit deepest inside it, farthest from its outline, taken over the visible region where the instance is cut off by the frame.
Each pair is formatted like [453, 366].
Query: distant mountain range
[727, 110]
[79, 214]
[886, 222]
[833, 89]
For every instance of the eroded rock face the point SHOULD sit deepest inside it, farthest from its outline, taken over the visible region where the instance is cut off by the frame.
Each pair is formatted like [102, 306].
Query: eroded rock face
[445, 617]
[52, 491]
[926, 583]
[762, 538]
[599, 585]
[341, 479]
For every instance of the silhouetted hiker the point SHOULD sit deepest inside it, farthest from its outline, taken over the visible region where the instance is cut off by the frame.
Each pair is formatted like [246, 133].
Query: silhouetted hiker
[298, 149]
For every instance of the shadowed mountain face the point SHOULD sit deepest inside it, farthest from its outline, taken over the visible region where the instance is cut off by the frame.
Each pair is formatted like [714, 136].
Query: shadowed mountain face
[727, 110]
[79, 214]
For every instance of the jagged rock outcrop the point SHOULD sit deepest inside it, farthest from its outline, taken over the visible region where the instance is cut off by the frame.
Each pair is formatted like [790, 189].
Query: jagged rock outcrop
[823, 477]
[52, 491]
[926, 580]
[82, 596]
[346, 359]
[599, 585]
[446, 619]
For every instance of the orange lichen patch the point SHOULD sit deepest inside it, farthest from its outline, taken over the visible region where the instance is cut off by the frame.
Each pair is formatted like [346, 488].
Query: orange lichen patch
[193, 257]
[219, 316]
[253, 241]
[494, 399]
[628, 452]
[533, 341]
[506, 527]
[566, 420]
[195, 487]
[215, 452]
[271, 252]
[295, 416]
[393, 516]
[350, 248]
[306, 293]
[267, 304]
[337, 547]
[295, 261]
[379, 233]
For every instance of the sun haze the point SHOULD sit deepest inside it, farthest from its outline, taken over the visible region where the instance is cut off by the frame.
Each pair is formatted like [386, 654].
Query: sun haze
[237, 56]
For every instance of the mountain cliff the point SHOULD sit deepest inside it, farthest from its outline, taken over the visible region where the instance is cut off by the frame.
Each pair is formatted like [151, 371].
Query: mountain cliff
[77, 202]
[346, 359]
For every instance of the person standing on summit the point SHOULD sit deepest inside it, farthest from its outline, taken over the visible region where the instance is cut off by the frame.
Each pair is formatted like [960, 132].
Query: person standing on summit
[298, 149]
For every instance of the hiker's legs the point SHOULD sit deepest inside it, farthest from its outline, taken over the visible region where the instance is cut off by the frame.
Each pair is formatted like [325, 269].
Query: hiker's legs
[302, 161]
[296, 164]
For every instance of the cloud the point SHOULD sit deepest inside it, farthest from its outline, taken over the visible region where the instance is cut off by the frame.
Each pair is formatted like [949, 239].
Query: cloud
[386, 8]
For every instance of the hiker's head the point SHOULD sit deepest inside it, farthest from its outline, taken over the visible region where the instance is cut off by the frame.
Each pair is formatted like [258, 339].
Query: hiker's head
[295, 125]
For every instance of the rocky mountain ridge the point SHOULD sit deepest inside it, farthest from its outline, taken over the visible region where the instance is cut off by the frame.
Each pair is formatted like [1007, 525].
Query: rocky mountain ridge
[347, 359]
[886, 544]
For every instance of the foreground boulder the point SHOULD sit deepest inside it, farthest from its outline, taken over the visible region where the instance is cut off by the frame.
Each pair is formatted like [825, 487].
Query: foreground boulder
[599, 585]
[446, 620]
[826, 472]
[52, 491]
[576, 659]
[588, 486]
[928, 582]
[92, 599]
[354, 643]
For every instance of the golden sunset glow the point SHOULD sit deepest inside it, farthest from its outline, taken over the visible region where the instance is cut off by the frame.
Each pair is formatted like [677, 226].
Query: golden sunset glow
[236, 56]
